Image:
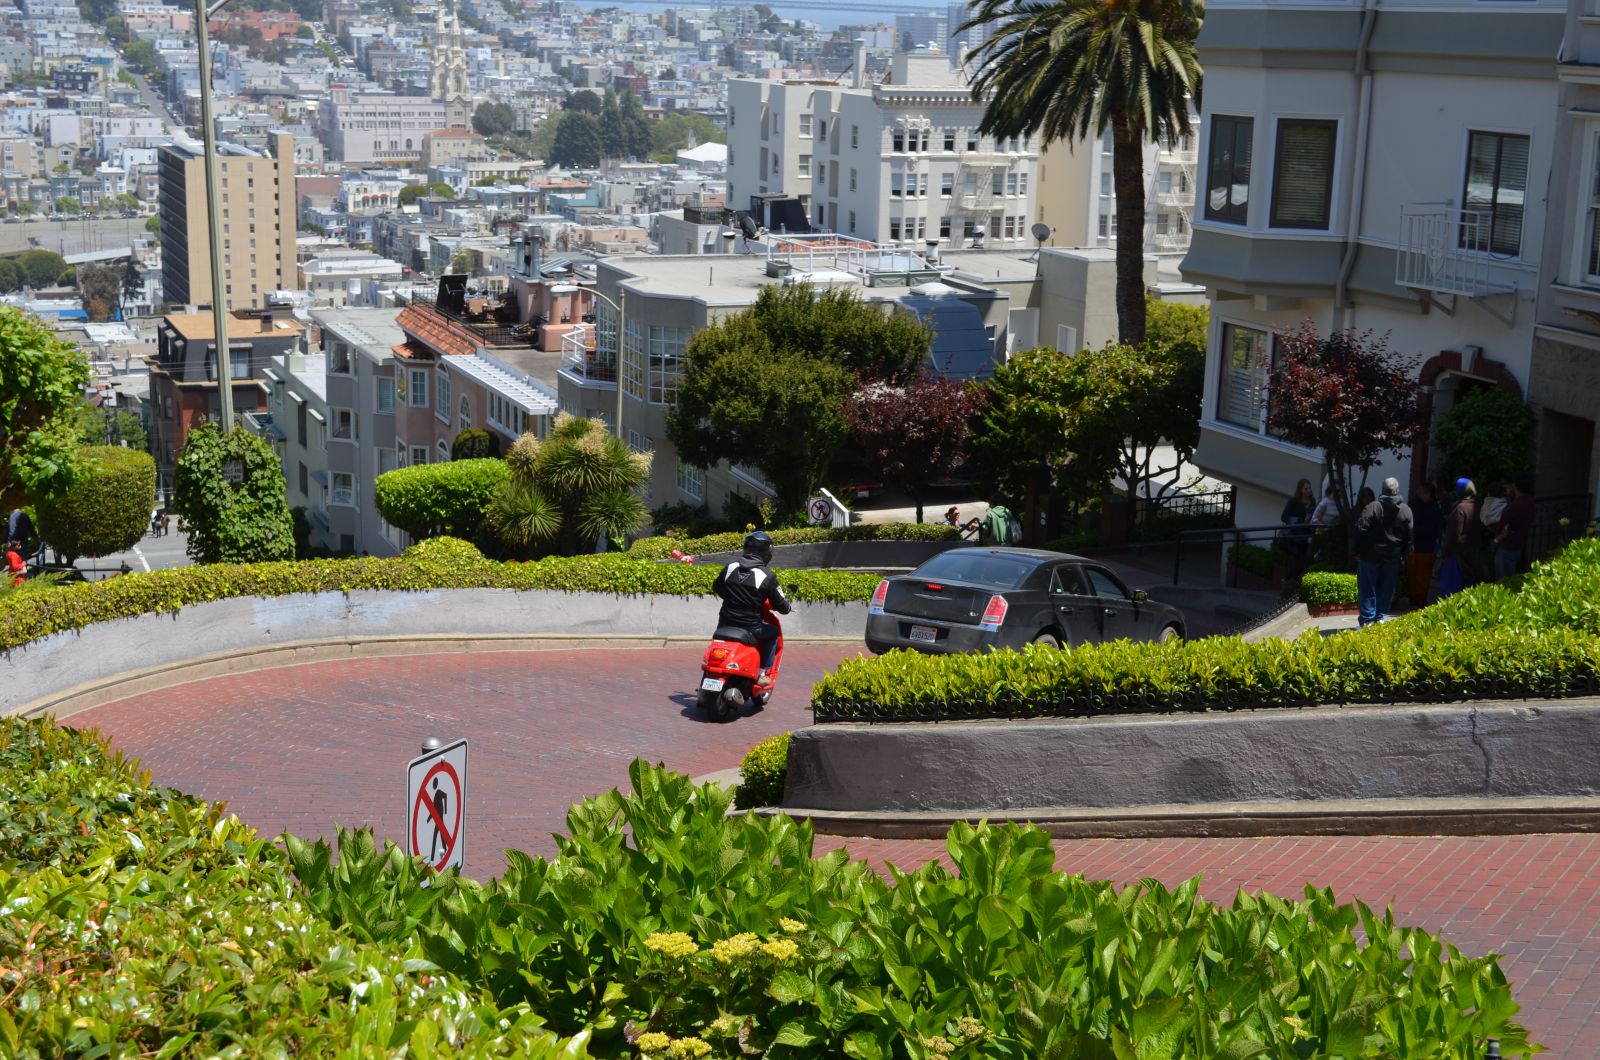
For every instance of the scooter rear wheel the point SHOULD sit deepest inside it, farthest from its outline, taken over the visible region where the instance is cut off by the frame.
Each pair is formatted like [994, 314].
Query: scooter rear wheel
[710, 703]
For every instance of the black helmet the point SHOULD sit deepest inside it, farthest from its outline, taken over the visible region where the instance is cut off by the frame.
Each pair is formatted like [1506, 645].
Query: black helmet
[759, 545]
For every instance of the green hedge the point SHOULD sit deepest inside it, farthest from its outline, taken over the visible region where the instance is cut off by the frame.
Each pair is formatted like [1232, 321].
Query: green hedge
[662, 547]
[1540, 638]
[447, 498]
[107, 509]
[1322, 588]
[762, 773]
[142, 922]
[435, 564]
[139, 920]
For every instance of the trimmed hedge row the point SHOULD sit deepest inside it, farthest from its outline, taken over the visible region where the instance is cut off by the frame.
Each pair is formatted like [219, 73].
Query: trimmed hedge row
[1539, 638]
[1328, 589]
[662, 547]
[438, 563]
[140, 921]
[762, 773]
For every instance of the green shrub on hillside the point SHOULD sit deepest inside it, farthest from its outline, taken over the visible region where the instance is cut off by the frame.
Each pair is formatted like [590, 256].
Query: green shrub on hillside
[1326, 589]
[732, 541]
[762, 773]
[474, 443]
[665, 928]
[243, 521]
[425, 500]
[107, 507]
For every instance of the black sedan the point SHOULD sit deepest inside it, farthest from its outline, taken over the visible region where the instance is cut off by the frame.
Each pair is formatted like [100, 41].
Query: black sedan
[969, 599]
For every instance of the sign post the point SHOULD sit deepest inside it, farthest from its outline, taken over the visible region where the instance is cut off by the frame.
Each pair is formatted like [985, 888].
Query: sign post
[436, 804]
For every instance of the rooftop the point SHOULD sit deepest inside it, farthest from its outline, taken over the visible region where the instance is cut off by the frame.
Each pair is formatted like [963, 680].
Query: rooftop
[367, 328]
[197, 327]
[528, 394]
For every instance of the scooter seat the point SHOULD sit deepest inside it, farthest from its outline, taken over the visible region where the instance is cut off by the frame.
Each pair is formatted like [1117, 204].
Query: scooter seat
[735, 634]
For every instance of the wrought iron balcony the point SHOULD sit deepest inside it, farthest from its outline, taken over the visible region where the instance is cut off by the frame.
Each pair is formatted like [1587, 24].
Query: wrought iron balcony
[1448, 251]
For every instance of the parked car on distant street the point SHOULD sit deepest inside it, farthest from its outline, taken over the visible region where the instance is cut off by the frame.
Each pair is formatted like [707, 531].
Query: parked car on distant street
[972, 599]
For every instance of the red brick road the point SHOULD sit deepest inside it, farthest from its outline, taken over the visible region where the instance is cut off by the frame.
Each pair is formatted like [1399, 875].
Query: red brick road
[306, 747]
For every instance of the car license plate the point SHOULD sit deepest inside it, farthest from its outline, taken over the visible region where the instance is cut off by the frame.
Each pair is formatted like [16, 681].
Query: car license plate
[924, 634]
[712, 684]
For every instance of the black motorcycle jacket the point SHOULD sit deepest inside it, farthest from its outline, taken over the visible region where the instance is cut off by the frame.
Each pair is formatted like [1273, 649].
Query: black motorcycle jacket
[744, 585]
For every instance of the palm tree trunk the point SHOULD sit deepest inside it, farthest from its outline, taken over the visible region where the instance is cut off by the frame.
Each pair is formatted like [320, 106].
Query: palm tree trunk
[1127, 169]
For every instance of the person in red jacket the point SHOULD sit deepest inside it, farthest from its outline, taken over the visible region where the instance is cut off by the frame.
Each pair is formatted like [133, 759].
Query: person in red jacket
[1511, 532]
[14, 565]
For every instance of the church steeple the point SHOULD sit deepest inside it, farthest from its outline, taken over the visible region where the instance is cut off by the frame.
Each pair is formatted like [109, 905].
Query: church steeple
[447, 79]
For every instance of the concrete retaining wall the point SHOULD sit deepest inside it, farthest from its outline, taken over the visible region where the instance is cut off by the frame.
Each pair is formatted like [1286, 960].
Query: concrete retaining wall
[105, 650]
[1495, 750]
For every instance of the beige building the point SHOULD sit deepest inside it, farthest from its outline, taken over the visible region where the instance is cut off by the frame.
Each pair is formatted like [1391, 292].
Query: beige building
[452, 147]
[365, 127]
[257, 216]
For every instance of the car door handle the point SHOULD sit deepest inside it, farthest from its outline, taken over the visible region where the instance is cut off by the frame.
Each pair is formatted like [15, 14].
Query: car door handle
[1110, 610]
[1066, 610]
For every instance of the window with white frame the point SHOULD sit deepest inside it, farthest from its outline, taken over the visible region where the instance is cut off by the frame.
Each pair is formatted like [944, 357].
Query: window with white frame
[666, 363]
[805, 165]
[852, 220]
[1228, 169]
[633, 360]
[637, 442]
[344, 488]
[894, 229]
[949, 139]
[805, 125]
[897, 140]
[855, 136]
[464, 419]
[443, 451]
[419, 455]
[441, 404]
[1246, 360]
[385, 395]
[852, 180]
[897, 184]
[1302, 173]
[947, 185]
[1496, 185]
[343, 424]
[1592, 258]
[691, 481]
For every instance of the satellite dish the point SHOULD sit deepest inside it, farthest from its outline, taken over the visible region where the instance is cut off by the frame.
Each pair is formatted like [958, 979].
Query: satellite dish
[1041, 231]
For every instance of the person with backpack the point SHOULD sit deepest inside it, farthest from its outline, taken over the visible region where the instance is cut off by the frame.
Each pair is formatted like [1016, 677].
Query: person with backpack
[1383, 541]
[999, 527]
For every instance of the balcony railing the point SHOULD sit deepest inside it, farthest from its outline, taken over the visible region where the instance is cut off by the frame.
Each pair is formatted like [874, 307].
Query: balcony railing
[1447, 250]
[580, 358]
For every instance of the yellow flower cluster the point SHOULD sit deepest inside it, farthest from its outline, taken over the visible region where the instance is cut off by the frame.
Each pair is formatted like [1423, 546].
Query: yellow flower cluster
[689, 1049]
[791, 927]
[724, 1025]
[781, 949]
[970, 1028]
[654, 1043]
[939, 1044]
[738, 948]
[672, 944]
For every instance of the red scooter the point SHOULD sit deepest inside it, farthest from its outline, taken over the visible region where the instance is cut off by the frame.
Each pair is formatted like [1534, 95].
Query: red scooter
[729, 670]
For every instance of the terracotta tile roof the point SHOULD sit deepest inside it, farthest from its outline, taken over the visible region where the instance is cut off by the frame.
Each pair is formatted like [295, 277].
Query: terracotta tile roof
[434, 330]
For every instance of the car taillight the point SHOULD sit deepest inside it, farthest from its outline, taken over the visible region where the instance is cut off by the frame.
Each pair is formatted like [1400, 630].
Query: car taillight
[879, 594]
[994, 614]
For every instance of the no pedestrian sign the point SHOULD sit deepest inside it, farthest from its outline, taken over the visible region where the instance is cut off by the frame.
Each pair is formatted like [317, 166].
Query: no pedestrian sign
[436, 797]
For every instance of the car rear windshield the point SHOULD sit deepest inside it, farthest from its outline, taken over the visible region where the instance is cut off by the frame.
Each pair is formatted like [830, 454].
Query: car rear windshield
[976, 567]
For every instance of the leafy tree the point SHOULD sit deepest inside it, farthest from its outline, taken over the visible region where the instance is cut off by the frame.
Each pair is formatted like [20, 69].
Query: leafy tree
[1346, 395]
[107, 507]
[1067, 69]
[914, 435]
[132, 281]
[10, 277]
[494, 119]
[671, 134]
[577, 142]
[460, 262]
[152, 224]
[474, 443]
[243, 522]
[636, 133]
[767, 386]
[140, 54]
[1022, 445]
[40, 268]
[412, 192]
[66, 204]
[101, 285]
[42, 380]
[1487, 436]
[89, 427]
[584, 102]
[426, 500]
[1169, 323]
[27, 209]
[613, 141]
[566, 492]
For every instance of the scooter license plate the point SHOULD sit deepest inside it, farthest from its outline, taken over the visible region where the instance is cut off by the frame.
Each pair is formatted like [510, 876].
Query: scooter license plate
[712, 684]
[924, 634]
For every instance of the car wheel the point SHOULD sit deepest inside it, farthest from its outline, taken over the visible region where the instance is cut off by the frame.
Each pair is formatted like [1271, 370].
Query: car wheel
[1049, 640]
[1170, 633]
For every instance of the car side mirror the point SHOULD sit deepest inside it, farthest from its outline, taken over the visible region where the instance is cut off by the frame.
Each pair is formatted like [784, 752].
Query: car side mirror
[1140, 594]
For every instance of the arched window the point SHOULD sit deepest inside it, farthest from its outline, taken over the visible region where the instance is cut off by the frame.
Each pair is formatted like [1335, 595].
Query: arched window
[408, 143]
[465, 419]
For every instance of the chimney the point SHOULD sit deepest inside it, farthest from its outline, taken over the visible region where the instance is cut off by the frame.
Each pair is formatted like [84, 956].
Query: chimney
[858, 64]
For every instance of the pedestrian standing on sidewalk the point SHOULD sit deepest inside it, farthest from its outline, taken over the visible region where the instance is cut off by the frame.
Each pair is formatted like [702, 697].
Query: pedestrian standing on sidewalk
[1427, 523]
[1511, 532]
[1383, 541]
[1461, 542]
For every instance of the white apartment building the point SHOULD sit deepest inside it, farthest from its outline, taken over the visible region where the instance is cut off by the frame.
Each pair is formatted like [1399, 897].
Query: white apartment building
[1374, 166]
[895, 162]
[365, 127]
[295, 423]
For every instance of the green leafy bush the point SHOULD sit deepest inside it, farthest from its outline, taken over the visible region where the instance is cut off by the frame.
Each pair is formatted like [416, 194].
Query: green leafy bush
[1253, 559]
[1077, 541]
[425, 500]
[567, 491]
[1321, 588]
[246, 521]
[140, 921]
[732, 541]
[107, 507]
[474, 443]
[762, 773]
[1540, 639]
[28, 616]
[1487, 436]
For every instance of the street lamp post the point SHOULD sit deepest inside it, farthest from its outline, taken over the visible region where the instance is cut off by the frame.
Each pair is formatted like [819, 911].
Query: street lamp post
[622, 320]
[219, 308]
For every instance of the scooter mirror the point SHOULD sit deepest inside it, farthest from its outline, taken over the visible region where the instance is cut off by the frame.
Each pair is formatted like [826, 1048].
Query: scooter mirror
[790, 590]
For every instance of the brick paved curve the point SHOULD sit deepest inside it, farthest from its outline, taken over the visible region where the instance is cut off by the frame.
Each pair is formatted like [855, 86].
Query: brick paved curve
[306, 747]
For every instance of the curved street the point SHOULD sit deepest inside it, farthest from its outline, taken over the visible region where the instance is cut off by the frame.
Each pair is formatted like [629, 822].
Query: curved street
[307, 747]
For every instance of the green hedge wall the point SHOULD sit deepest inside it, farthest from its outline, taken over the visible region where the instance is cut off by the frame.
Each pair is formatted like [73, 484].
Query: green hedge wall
[447, 498]
[142, 922]
[107, 509]
[439, 563]
[1539, 637]
[1327, 589]
[663, 547]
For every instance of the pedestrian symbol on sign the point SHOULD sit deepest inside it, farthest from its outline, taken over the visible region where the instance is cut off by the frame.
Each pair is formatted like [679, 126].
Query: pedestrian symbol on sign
[821, 511]
[436, 796]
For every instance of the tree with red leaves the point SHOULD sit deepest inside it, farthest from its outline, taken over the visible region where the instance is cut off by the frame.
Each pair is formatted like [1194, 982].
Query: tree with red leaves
[1348, 396]
[915, 434]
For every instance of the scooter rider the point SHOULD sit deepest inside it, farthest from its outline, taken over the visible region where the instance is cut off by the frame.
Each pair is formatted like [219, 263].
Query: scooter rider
[744, 586]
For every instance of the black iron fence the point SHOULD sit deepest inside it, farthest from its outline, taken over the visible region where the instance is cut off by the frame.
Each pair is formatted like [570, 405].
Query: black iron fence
[1217, 503]
[1230, 538]
[1556, 521]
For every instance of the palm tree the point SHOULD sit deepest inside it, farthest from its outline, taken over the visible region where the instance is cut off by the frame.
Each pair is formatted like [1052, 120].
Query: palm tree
[567, 491]
[1069, 68]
